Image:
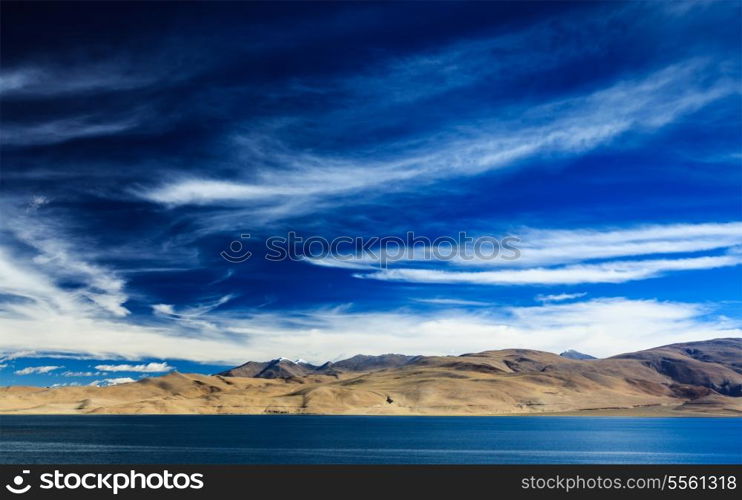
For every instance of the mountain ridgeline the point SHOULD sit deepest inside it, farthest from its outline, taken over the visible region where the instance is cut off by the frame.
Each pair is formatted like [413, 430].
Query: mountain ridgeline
[694, 378]
[285, 368]
[715, 364]
[572, 354]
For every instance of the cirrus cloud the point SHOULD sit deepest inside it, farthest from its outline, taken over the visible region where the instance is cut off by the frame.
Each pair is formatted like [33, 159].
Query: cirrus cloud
[32, 370]
[143, 368]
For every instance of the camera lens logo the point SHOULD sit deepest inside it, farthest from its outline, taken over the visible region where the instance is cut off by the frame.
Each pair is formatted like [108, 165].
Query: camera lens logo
[17, 486]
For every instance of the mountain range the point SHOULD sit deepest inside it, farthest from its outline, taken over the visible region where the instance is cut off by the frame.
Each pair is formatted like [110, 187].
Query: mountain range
[285, 368]
[695, 378]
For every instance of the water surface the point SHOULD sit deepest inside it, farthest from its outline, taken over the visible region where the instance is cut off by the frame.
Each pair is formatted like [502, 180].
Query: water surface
[273, 439]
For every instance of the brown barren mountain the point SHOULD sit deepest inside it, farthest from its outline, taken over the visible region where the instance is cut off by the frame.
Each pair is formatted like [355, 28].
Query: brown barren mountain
[696, 378]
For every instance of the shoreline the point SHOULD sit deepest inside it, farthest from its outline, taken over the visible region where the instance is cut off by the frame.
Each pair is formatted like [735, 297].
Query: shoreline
[618, 412]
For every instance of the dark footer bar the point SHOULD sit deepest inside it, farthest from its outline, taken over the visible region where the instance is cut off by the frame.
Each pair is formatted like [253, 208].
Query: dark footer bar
[383, 481]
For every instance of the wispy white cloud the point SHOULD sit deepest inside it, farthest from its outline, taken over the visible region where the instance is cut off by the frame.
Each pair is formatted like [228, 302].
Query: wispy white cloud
[35, 276]
[608, 272]
[65, 129]
[50, 318]
[111, 381]
[192, 311]
[71, 73]
[538, 247]
[55, 301]
[191, 316]
[30, 286]
[560, 297]
[454, 302]
[600, 327]
[56, 80]
[118, 380]
[549, 257]
[81, 374]
[83, 78]
[33, 370]
[143, 368]
[35, 330]
[567, 126]
[440, 70]
[165, 309]
[563, 246]
[37, 281]
[367, 261]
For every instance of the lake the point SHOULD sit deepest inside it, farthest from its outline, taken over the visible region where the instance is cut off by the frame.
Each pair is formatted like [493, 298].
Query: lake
[279, 439]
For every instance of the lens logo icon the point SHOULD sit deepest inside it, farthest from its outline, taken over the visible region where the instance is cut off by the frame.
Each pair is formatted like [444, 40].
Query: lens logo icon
[17, 486]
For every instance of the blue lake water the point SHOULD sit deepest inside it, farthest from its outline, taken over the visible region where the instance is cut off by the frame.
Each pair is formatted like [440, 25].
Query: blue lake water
[367, 440]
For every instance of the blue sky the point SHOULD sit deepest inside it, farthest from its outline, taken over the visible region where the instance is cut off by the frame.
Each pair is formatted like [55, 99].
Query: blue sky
[138, 141]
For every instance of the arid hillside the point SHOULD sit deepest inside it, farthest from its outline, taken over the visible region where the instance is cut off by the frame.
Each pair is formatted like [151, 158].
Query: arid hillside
[697, 378]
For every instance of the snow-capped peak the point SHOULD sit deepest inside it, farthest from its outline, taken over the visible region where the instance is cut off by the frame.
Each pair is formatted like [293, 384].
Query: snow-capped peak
[294, 361]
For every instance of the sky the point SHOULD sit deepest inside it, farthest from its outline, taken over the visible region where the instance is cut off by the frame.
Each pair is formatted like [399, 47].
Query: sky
[141, 141]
